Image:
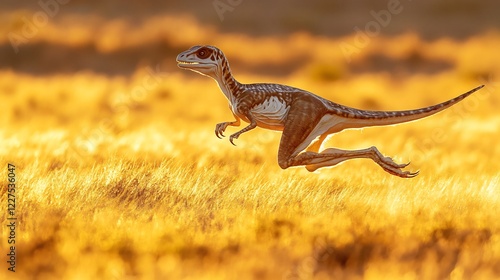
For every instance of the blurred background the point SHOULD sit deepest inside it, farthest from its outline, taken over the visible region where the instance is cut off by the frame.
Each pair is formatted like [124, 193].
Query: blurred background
[99, 68]
[116, 38]
[110, 136]
[96, 69]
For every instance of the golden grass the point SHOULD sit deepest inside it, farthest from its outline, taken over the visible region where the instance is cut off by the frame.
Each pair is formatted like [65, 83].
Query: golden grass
[114, 185]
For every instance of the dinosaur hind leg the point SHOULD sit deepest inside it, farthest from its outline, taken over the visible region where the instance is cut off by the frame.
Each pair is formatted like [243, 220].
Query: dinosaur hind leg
[332, 156]
[301, 129]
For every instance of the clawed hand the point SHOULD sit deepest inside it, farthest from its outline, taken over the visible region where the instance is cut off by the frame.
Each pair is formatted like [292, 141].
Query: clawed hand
[220, 128]
[219, 131]
[232, 137]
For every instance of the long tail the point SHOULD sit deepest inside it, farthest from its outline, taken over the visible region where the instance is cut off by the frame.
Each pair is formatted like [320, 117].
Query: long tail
[362, 118]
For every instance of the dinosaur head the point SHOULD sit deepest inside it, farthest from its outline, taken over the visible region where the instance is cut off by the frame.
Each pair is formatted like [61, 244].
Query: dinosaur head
[205, 60]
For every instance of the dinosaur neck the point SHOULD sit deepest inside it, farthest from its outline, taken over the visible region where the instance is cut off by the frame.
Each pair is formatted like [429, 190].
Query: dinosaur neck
[227, 83]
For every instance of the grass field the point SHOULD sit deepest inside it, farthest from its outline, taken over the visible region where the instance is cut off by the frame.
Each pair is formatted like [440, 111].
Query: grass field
[122, 177]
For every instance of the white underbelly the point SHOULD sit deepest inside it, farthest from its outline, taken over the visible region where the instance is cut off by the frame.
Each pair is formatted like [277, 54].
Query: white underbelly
[271, 113]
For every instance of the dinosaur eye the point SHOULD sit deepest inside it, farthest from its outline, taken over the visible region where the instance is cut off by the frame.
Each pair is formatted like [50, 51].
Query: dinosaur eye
[202, 53]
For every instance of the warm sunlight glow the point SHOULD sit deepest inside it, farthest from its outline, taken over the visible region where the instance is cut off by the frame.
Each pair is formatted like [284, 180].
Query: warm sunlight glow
[122, 177]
